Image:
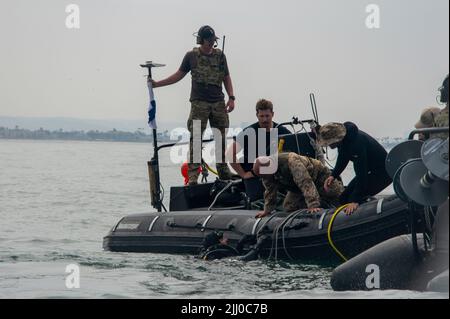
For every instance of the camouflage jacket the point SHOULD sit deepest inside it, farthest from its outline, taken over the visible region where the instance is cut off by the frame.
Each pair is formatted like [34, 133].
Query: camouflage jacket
[299, 174]
[209, 70]
[441, 121]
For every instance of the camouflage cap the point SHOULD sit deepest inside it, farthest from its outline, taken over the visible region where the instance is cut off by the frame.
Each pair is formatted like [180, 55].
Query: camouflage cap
[427, 118]
[331, 133]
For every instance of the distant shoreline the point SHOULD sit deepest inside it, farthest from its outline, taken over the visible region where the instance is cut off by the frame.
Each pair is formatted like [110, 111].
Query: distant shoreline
[114, 136]
[92, 135]
[68, 140]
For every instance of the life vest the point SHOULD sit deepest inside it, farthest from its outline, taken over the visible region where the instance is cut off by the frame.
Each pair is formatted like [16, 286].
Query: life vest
[209, 69]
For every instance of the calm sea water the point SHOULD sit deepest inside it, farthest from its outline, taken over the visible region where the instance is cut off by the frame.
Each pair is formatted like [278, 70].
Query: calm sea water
[57, 201]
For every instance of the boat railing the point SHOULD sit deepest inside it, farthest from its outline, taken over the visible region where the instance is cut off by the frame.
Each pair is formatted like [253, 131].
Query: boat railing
[431, 130]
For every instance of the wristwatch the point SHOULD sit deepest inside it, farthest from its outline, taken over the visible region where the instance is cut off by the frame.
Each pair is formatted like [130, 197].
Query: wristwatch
[232, 97]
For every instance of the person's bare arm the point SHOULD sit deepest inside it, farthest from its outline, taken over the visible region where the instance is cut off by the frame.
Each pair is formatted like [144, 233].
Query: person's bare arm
[231, 152]
[228, 85]
[174, 78]
[229, 88]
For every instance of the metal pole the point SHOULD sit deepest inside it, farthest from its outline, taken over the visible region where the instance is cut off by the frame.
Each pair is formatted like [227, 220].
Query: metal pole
[428, 131]
[154, 162]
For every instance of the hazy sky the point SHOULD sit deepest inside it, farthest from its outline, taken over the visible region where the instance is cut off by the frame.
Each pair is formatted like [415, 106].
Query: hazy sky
[280, 50]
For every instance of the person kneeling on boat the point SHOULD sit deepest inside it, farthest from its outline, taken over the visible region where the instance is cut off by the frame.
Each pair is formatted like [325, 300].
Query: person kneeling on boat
[368, 157]
[302, 177]
[427, 120]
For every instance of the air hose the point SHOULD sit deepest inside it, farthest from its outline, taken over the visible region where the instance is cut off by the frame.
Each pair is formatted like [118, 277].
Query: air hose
[330, 227]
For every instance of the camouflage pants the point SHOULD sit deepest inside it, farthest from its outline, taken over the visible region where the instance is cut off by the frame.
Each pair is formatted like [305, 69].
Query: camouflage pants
[296, 200]
[218, 118]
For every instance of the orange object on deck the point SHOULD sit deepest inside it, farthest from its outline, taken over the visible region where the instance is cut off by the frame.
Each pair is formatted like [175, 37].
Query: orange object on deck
[184, 172]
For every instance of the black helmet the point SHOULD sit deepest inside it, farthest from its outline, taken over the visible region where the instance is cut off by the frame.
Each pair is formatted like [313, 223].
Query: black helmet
[212, 239]
[444, 91]
[205, 33]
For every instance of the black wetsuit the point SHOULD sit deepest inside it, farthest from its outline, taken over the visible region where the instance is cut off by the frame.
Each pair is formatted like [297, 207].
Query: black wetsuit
[368, 157]
[247, 164]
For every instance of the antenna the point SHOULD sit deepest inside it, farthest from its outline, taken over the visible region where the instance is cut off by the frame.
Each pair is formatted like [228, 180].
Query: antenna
[223, 44]
[149, 65]
[153, 164]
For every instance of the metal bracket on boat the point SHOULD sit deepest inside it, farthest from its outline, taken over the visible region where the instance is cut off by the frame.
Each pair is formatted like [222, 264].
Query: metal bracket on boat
[117, 225]
[206, 222]
[255, 225]
[153, 223]
[322, 218]
[380, 206]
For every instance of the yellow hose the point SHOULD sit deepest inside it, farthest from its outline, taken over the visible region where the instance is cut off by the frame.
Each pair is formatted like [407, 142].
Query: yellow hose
[280, 145]
[210, 169]
[330, 226]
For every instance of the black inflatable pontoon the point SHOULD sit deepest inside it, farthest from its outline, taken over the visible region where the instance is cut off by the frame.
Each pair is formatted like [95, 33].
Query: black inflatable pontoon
[298, 235]
[420, 260]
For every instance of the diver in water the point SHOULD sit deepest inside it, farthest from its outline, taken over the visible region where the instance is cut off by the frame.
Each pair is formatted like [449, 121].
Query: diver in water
[215, 246]
[368, 157]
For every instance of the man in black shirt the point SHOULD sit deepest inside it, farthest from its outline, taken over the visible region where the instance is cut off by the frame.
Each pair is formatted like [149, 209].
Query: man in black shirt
[248, 140]
[368, 157]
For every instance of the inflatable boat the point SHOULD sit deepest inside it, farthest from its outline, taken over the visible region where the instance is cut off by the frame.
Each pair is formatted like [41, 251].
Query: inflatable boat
[198, 212]
[326, 235]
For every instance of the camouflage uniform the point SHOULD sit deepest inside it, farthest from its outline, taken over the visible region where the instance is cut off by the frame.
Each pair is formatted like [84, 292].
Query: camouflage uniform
[441, 121]
[209, 71]
[218, 118]
[303, 178]
[331, 133]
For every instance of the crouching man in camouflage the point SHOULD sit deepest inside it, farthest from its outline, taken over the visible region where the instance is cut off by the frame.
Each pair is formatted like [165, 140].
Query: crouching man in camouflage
[302, 177]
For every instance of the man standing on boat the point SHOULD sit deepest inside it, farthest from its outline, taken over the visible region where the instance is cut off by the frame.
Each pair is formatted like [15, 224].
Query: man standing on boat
[249, 138]
[209, 69]
[302, 177]
[368, 157]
